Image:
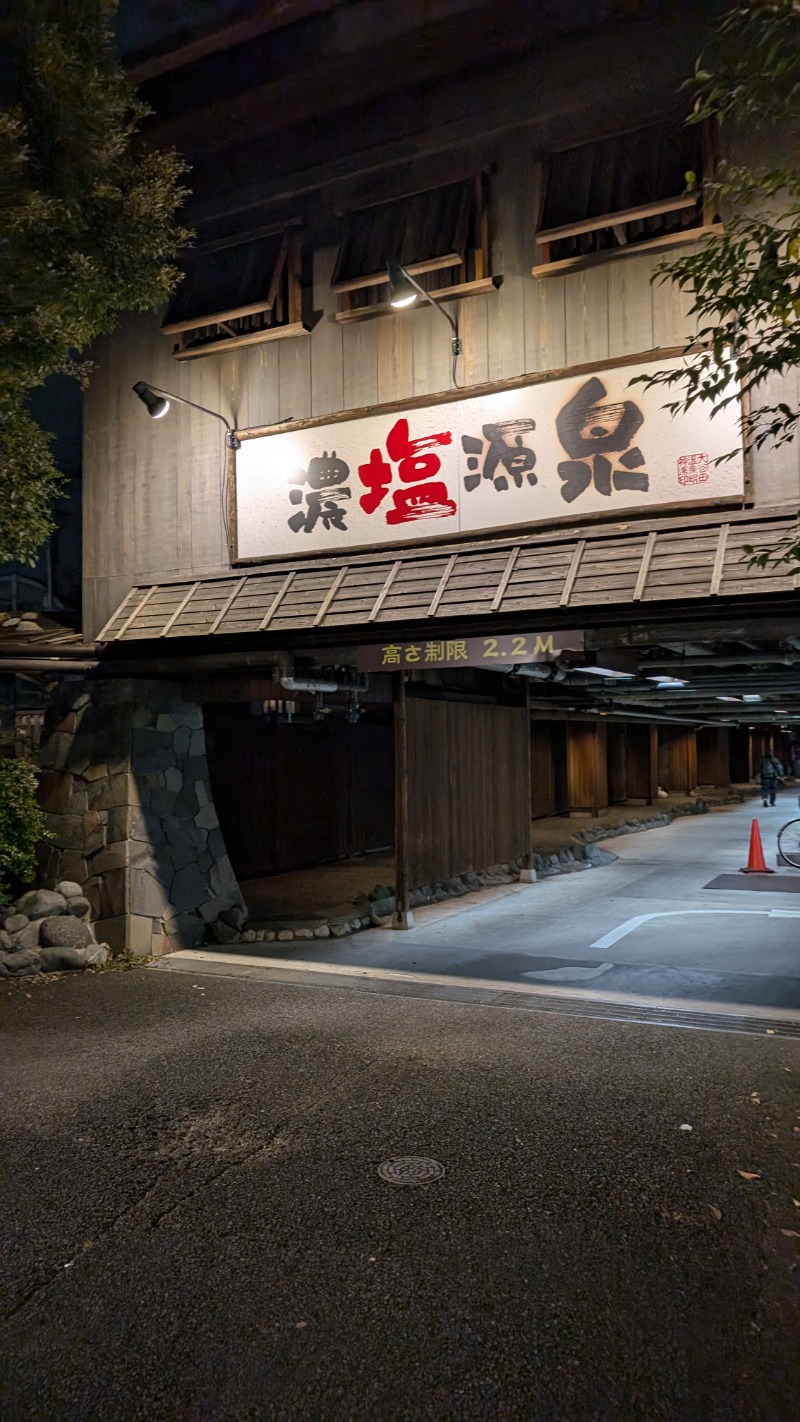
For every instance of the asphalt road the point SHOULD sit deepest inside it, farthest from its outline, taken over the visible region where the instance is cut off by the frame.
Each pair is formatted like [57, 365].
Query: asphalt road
[194, 1229]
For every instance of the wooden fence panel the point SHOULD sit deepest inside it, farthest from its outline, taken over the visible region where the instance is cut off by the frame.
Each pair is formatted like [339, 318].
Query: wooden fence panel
[289, 796]
[677, 759]
[469, 797]
[642, 763]
[543, 780]
[713, 755]
[587, 771]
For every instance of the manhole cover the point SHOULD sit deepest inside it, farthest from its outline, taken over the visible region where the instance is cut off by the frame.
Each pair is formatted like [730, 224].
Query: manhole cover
[410, 1170]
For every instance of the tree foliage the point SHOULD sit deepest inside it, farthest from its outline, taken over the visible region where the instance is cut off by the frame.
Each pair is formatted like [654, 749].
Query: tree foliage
[744, 282]
[22, 825]
[88, 227]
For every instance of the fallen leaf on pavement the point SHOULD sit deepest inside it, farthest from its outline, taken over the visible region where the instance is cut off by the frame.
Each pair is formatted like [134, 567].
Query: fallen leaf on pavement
[717, 1213]
[754, 1096]
[796, 1203]
[748, 1175]
[791, 1233]
[684, 1128]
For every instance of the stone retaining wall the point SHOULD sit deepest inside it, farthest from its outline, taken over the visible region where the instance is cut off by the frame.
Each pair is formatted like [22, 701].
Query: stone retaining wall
[126, 790]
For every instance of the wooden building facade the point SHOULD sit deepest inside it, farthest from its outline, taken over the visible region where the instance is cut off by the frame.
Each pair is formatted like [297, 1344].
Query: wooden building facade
[534, 201]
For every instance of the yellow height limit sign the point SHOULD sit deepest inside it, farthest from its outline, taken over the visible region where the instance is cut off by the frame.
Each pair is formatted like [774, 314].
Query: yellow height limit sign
[488, 652]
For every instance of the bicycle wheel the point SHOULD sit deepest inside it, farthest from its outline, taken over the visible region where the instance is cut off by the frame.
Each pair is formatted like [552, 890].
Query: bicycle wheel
[789, 842]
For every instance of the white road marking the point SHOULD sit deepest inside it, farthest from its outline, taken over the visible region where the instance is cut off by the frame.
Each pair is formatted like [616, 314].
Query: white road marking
[631, 924]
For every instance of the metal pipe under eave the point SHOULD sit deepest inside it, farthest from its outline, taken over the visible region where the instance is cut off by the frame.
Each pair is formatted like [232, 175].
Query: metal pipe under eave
[45, 664]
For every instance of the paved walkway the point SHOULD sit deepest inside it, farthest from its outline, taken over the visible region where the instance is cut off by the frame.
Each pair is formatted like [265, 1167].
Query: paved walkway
[645, 926]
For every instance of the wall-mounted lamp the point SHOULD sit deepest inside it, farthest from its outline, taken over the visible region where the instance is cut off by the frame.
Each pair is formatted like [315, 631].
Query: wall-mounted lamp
[404, 290]
[157, 403]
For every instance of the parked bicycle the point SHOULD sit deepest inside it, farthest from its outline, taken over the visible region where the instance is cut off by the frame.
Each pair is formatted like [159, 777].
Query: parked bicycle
[789, 841]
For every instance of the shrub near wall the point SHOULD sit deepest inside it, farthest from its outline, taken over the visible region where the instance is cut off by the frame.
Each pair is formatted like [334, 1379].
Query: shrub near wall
[22, 826]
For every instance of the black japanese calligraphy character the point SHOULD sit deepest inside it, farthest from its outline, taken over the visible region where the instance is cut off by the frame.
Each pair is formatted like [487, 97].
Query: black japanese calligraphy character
[324, 507]
[589, 431]
[501, 459]
[324, 473]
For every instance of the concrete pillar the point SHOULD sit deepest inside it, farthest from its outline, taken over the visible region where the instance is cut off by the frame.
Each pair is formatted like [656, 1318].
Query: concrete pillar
[126, 790]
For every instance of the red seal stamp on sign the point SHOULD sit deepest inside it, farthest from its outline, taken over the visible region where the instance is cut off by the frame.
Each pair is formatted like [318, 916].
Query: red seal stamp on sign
[692, 469]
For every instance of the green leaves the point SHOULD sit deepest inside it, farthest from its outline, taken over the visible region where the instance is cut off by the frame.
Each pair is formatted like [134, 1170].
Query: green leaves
[743, 281]
[22, 823]
[88, 228]
[30, 482]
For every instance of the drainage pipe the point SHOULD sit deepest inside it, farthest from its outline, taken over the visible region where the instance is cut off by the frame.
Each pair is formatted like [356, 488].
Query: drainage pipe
[45, 664]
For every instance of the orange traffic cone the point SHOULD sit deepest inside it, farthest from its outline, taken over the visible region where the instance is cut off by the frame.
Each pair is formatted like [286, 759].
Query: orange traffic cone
[755, 860]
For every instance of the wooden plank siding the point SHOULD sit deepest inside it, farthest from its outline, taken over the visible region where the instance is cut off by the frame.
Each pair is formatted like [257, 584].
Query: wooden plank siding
[677, 759]
[153, 506]
[713, 755]
[543, 784]
[587, 768]
[641, 763]
[313, 792]
[468, 790]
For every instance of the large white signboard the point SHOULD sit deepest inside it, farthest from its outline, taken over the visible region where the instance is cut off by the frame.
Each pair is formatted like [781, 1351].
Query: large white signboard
[583, 444]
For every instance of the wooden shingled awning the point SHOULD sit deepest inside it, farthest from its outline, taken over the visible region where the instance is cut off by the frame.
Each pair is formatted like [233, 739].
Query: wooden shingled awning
[674, 559]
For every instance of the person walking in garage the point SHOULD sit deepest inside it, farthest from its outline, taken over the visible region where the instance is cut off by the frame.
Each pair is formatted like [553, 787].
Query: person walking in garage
[770, 771]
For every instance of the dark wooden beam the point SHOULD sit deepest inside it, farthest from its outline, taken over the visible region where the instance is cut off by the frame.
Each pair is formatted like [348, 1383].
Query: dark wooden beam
[272, 15]
[402, 914]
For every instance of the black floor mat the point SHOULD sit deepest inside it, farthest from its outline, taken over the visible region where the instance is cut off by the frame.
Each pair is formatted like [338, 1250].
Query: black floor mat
[764, 883]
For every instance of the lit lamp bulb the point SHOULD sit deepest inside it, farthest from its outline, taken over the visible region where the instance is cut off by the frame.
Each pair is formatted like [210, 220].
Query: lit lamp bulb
[401, 290]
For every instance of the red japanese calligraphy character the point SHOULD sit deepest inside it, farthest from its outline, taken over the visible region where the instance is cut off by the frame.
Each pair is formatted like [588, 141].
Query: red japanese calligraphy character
[423, 501]
[376, 476]
[409, 454]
